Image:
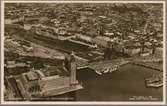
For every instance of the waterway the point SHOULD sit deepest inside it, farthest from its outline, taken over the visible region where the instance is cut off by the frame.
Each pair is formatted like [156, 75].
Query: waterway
[121, 85]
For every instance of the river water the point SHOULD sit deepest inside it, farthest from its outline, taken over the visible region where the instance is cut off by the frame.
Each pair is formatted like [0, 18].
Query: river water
[121, 85]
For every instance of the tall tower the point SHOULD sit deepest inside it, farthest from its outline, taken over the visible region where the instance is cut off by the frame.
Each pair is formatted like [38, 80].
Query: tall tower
[72, 69]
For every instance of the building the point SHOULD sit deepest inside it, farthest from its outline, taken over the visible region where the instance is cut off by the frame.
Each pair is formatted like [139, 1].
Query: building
[84, 37]
[15, 68]
[41, 83]
[132, 50]
[101, 41]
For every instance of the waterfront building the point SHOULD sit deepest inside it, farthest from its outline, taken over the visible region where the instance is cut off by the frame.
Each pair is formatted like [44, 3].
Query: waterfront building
[39, 83]
[132, 50]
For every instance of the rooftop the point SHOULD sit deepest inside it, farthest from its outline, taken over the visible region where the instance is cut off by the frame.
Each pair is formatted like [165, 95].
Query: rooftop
[31, 76]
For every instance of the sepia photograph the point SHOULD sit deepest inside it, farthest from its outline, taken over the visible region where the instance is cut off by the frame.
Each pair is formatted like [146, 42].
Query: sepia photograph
[84, 52]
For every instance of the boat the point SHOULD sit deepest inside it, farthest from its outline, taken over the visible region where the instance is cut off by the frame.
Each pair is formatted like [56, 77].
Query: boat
[154, 81]
[106, 70]
[155, 84]
[98, 72]
[113, 69]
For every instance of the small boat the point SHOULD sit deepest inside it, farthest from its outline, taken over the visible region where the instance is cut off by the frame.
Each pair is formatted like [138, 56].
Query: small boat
[106, 70]
[151, 80]
[113, 69]
[155, 84]
[98, 72]
[110, 70]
